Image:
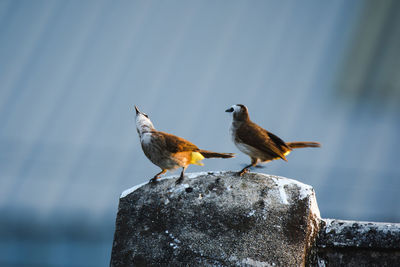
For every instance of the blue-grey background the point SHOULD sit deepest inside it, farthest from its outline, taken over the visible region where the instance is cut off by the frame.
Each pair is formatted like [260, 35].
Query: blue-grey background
[71, 71]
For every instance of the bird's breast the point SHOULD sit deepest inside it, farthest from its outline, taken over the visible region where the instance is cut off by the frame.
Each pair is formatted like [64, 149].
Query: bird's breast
[232, 131]
[249, 150]
[152, 147]
[146, 139]
[155, 150]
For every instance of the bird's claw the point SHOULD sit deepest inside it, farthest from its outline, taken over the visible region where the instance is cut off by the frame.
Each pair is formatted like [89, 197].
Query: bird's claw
[243, 172]
[153, 180]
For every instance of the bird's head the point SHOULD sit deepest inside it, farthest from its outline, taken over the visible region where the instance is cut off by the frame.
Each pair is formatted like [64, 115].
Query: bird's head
[239, 112]
[143, 123]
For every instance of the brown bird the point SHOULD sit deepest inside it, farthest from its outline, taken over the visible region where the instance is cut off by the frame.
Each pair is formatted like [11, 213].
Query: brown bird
[168, 151]
[258, 143]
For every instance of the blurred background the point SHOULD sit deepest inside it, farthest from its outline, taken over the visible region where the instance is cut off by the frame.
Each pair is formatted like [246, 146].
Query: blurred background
[71, 71]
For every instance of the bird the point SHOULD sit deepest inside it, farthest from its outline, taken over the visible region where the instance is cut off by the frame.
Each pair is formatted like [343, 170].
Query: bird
[259, 144]
[168, 151]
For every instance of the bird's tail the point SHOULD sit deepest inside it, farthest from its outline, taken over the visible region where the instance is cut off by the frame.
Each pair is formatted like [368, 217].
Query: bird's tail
[303, 144]
[210, 154]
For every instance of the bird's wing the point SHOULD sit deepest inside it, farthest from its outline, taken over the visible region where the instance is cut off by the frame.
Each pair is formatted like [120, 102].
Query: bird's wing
[175, 144]
[259, 138]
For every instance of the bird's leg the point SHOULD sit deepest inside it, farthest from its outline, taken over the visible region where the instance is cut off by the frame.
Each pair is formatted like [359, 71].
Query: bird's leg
[246, 169]
[181, 177]
[154, 179]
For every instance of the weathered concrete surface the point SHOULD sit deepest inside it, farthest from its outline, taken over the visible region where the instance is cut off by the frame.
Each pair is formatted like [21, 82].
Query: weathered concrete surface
[216, 219]
[355, 243]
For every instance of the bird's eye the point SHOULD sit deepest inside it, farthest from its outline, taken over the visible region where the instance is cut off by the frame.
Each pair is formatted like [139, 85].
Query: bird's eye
[146, 115]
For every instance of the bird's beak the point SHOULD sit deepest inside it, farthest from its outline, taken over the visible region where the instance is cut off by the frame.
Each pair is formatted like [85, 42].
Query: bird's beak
[137, 110]
[229, 110]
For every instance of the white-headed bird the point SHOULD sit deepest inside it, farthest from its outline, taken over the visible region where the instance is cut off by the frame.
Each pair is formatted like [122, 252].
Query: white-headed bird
[168, 151]
[256, 142]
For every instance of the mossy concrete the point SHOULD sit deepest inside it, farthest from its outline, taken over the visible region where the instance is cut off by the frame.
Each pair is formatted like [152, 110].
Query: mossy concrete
[216, 219]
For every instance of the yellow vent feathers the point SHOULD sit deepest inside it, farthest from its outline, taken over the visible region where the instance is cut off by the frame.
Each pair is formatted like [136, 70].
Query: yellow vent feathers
[196, 158]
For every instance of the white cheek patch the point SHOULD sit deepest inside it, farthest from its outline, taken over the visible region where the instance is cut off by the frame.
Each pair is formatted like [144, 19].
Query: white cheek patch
[140, 120]
[236, 108]
[143, 124]
[143, 121]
